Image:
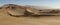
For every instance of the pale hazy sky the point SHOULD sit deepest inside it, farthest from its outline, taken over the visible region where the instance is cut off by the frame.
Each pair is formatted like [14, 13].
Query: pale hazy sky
[51, 3]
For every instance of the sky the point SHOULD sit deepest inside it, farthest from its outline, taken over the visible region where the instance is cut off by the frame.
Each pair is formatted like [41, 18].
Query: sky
[50, 3]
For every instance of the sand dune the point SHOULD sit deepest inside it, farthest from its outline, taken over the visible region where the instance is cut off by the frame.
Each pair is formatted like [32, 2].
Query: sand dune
[6, 19]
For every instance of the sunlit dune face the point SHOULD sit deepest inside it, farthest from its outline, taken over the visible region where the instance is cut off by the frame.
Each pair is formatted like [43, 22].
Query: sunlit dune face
[33, 10]
[14, 9]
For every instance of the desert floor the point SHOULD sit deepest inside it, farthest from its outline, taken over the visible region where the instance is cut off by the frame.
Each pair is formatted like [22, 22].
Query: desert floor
[5, 19]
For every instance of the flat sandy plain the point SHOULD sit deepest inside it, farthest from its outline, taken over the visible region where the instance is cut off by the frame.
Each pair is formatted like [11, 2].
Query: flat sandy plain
[6, 19]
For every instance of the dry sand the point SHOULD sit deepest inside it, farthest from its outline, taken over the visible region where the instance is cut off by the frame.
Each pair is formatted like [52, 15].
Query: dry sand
[5, 19]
